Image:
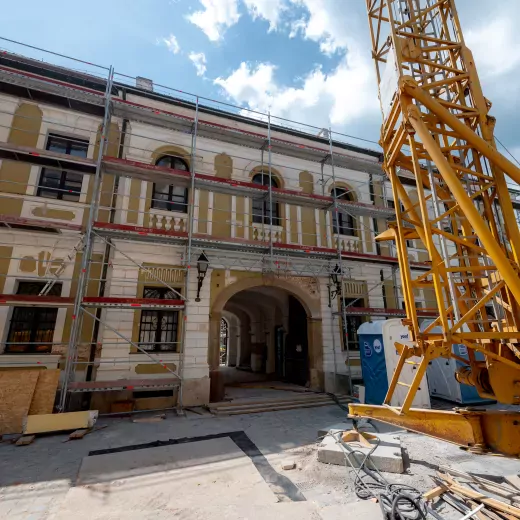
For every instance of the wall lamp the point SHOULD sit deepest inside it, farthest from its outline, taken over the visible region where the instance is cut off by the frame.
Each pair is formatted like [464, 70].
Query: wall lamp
[334, 285]
[202, 269]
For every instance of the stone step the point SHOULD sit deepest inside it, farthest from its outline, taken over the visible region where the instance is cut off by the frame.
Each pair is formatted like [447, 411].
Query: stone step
[273, 407]
[251, 401]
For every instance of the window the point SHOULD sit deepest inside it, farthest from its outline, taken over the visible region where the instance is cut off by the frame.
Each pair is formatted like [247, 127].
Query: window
[352, 324]
[224, 342]
[342, 222]
[32, 328]
[60, 184]
[391, 203]
[169, 196]
[261, 211]
[158, 329]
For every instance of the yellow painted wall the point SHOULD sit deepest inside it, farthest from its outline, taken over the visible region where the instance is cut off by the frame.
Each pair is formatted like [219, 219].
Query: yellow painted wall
[14, 176]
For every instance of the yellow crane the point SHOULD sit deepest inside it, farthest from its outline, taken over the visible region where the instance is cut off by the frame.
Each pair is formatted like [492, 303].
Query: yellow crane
[437, 128]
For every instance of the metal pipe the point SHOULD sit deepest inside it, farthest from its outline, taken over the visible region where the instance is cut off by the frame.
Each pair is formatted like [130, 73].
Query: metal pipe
[77, 317]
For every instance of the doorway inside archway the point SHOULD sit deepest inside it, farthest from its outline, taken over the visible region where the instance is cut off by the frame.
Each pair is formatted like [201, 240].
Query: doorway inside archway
[263, 336]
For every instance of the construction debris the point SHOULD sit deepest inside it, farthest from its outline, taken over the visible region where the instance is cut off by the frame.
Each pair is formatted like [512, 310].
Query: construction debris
[513, 480]
[79, 434]
[59, 422]
[288, 464]
[153, 419]
[25, 392]
[24, 440]
[474, 496]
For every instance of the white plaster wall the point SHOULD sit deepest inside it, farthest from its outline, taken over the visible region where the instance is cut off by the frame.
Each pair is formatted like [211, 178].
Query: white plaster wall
[28, 244]
[8, 106]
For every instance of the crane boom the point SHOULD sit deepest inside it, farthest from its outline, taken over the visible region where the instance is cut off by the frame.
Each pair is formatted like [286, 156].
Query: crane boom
[437, 130]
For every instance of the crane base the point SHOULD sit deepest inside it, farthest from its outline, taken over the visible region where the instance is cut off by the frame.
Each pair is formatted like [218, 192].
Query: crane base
[481, 431]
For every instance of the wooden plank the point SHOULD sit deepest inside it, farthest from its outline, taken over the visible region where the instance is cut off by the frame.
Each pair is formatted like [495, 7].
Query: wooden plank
[510, 489]
[25, 440]
[481, 498]
[434, 493]
[16, 393]
[60, 422]
[45, 392]
[79, 434]
[513, 480]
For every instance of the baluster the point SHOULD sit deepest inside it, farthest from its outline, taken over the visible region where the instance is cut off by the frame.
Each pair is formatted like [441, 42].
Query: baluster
[159, 223]
[177, 225]
[168, 224]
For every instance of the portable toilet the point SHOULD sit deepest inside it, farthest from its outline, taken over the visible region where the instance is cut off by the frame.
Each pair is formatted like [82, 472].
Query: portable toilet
[379, 359]
[441, 375]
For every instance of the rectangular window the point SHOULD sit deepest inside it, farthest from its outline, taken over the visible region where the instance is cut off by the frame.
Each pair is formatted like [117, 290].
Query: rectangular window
[158, 330]
[32, 328]
[262, 214]
[170, 197]
[60, 184]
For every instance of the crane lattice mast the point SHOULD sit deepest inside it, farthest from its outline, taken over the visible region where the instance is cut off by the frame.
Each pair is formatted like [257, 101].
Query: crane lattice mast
[437, 129]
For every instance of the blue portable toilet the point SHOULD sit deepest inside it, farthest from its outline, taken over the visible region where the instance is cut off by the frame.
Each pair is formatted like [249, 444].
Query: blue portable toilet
[441, 375]
[373, 364]
[379, 359]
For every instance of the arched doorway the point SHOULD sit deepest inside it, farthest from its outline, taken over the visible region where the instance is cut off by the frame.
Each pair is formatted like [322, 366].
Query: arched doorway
[280, 333]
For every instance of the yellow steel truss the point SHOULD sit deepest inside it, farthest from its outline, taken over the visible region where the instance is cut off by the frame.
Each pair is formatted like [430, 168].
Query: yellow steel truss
[436, 125]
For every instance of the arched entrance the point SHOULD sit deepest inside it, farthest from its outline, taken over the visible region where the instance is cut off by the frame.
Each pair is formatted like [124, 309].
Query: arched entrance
[279, 333]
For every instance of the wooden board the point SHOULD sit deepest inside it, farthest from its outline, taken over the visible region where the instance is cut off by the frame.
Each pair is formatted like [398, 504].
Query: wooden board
[45, 392]
[57, 422]
[16, 393]
[513, 480]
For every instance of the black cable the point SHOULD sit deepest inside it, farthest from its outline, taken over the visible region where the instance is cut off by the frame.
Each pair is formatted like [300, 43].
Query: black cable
[397, 501]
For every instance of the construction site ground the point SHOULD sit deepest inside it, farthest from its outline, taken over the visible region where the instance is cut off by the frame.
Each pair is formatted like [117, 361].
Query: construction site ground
[223, 467]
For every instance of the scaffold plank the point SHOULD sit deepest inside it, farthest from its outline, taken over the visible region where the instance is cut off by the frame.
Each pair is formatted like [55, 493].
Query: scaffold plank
[374, 311]
[153, 173]
[122, 384]
[24, 300]
[132, 303]
[51, 86]
[46, 158]
[32, 222]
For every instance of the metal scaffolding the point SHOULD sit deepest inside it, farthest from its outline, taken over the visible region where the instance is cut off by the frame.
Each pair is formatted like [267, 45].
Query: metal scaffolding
[265, 250]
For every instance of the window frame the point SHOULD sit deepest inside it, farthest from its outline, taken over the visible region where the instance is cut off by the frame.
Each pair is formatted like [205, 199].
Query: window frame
[61, 190]
[170, 204]
[260, 213]
[159, 314]
[342, 223]
[36, 318]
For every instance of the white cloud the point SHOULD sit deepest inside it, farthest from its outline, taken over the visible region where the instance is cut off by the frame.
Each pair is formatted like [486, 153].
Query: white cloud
[269, 10]
[347, 94]
[216, 17]
[199, 60]
[331, 23]
[171, 43]
[495, 46]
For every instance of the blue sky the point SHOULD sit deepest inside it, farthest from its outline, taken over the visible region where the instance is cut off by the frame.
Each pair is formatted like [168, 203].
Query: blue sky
[307, 60]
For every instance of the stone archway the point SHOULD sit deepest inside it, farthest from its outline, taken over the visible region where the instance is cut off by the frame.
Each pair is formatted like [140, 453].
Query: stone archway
[309, 300]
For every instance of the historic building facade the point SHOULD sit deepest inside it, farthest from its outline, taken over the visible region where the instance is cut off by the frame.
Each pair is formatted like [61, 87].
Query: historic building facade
[197, 238]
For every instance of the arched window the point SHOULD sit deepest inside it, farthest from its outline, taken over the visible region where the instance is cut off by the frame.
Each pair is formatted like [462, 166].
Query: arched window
[342, 222]
[224, 341]
[261, 212]
[169, 196]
